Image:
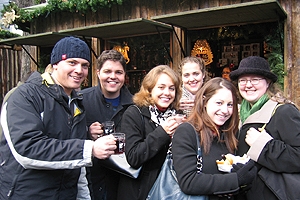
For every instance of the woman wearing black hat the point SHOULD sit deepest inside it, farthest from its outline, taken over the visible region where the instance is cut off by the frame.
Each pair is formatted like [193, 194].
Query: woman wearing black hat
[269, 131]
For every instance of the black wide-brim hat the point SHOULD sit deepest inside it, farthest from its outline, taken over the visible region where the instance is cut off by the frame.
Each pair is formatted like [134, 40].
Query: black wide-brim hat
[254, 65]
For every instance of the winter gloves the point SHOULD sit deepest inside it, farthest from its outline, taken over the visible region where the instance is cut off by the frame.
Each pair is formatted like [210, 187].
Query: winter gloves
[245, 172]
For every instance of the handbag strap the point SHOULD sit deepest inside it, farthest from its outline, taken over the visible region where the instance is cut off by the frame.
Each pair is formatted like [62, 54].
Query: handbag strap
[143, 120]
[264, 126]
[199, 154]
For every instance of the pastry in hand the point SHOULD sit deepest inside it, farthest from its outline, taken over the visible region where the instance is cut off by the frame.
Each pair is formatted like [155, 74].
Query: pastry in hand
[226, 159]
[225, 164]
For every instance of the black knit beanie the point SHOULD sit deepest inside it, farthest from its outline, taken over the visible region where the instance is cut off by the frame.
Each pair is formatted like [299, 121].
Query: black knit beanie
[254, 65]
[70, 47]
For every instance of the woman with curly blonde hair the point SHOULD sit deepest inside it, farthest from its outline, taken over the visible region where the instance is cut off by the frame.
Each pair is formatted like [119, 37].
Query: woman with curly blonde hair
[149, 126]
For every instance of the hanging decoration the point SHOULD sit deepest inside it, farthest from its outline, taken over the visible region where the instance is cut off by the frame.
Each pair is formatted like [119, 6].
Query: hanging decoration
[123, 50]
[202, 49]
[8, 18]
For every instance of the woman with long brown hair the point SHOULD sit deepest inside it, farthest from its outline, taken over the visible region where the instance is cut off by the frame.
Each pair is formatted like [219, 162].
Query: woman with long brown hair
[215, 120]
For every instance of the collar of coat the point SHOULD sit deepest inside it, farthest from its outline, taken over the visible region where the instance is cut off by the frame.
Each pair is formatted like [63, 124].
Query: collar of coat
[47, 79]
[263, 115]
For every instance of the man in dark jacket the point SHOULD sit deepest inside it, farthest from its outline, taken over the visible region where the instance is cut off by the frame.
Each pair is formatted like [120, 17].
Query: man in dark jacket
[44, 146]
[106, 102]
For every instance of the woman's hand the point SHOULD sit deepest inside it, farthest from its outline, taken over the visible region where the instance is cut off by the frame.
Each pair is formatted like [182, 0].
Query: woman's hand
[186, 104]
[252, 135]
[170, 125]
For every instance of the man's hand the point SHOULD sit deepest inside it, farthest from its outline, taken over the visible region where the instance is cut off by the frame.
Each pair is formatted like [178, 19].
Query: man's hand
[96, 130]
[104, 147]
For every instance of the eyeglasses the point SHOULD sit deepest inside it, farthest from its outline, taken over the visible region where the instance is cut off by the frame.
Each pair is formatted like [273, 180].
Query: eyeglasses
[253, 81]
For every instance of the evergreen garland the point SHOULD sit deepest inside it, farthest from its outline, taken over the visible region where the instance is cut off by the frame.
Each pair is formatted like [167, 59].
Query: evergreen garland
[7, 34]
[73, 6]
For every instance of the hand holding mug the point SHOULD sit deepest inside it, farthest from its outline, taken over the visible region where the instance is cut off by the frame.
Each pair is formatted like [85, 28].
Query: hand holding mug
[180, 118]
[186, 105]
[95, 130]
[189, 104]
[170, 125]
[104, 147]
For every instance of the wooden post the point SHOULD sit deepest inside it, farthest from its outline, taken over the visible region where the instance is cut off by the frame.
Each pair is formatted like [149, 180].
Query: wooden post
[176, 49]
[95, 44]
[292, 50]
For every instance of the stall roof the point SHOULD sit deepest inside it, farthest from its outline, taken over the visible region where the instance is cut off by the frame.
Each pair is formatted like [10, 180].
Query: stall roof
[41, 39]
[123, 28]
[236, 14]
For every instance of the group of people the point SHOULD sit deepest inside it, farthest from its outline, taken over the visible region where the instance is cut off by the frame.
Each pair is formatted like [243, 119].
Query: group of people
[53, 141]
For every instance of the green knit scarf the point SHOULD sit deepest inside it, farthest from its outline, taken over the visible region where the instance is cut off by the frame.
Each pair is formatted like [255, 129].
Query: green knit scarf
[246, 109]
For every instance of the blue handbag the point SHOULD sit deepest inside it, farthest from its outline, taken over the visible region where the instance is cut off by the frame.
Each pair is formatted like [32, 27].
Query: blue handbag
[166, 185]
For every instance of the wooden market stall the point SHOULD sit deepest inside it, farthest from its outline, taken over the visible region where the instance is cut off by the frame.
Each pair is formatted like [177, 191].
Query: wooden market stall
[173, 27]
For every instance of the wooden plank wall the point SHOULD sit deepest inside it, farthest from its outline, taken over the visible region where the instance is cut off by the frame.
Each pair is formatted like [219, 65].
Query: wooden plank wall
[10, 69]
[131, 9]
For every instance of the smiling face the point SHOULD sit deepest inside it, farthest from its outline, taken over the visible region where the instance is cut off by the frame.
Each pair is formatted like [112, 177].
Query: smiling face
[70, 73]
[250, 92]
[192, 77]
[220, 106]
[112, 78]
[164, 91]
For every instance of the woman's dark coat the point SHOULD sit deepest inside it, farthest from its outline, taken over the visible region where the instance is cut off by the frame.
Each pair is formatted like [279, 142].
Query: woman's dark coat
[143, 148]
[211, 181]
[277, 151]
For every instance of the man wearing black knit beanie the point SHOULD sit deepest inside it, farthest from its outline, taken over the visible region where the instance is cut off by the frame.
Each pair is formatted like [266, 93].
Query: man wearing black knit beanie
[44, 151]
